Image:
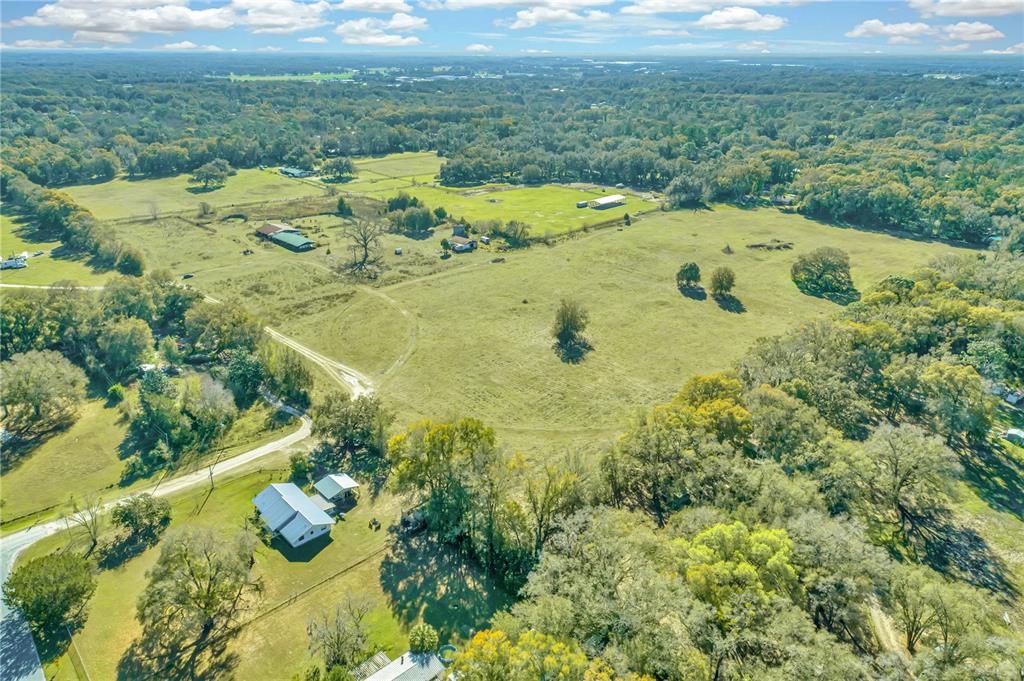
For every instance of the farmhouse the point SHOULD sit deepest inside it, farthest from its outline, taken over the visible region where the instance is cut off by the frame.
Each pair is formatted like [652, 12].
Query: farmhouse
[336, 486]
[410, 667]
[461, 244]
[287, 511]
[609, 201]
[294, 172]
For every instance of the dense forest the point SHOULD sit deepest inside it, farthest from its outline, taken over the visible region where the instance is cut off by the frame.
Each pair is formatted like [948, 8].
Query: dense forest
[888, 149]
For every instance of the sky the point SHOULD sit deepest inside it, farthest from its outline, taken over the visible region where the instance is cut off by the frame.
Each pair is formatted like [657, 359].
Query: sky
[522, 27]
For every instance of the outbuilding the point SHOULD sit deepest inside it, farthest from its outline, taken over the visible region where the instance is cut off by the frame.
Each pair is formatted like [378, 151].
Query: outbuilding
[609, 201]
[410, 667]
[461, 244]
[286, 511]
[293, 241]
[336, 486]
[295, 172]
[1015, 435]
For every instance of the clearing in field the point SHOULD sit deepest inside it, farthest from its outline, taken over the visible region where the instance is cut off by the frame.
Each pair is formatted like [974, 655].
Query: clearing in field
[476, 340]
[55, 263]
[126, 198]
[407, 582]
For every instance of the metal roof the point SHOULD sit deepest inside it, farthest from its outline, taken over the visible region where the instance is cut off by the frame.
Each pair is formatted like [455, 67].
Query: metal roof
[613, 198]
[332, 485]
[281, 504]
[409, 667]
[291, 239]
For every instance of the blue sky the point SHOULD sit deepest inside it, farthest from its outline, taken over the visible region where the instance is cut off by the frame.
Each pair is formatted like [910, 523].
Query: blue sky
[522, 27]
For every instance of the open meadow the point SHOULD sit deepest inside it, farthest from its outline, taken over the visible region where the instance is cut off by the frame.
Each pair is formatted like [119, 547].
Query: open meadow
[124, 197]
[404, 582]
[56, 263]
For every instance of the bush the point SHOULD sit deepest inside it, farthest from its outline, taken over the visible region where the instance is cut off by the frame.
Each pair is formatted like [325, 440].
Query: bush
[300, 467]
[115, 393]
[688, 275]
[423, 639]
[722, 281]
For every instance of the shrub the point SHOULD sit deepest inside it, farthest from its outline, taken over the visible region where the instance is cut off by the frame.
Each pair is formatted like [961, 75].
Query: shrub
[115, 393]
[423, 639]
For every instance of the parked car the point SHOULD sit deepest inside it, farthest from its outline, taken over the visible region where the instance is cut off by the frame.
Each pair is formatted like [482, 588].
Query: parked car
[187, 275]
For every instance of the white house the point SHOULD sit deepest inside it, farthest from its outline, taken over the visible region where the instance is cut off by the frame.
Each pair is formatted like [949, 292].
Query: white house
[410, 667]
[608, 201]
[335, 486]
[290, 513]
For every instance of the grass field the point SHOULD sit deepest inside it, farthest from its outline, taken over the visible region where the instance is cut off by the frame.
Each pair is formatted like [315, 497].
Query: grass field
[123, 198]
[409, 583]
[56, 264]
[477, 342]
[84, 459]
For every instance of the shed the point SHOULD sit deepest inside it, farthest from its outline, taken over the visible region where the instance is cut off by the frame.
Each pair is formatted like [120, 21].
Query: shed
[609, 201]
[410, 667]
[1015, 435]
[293, 241]
[461, 244]
[288, 171]
[287, 511]
[335, 486]
[582, 204]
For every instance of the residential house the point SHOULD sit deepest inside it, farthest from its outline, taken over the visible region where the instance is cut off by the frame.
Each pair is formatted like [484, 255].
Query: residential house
[287, 511]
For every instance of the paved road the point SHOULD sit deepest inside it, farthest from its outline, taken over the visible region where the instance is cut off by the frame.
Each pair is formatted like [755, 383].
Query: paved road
[19, 660]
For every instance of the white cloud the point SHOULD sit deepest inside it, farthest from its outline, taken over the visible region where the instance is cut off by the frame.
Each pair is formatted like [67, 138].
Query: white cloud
[103, 37]
[906, 33]
[375, 6]
[967, 8]
[1013, 49]
[752, 46]
[456, 5]
[962, 47]
[37, 44]
[668, 32]
[740, 19]
[315, 40]
[129, 16]
[281, 16]
[380, 33]
[479, 48]
[268, 48]
[528, 18]
[189, 45]
[531, 50]
[693, 6]
[972, 31]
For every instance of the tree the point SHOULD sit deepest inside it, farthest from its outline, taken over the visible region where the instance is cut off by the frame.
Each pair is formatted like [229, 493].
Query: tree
[343, 209]
[531, 174]
[492, 654]
[338, 169]
[215, 172]
[365, 237]
[423, 639]
[722, 281]
[125, 343]
[446, 247]
[300, 468]
[51, 591]
[349, 425]
[823, 272]
[956, 398]
[87, 516]
[213, 328]
[904, 477]
[245, 376]
[40, 391]
[198, 591]
[570, 322]
[688, 275]
[552, 494]
[339, 637]
[143, 516]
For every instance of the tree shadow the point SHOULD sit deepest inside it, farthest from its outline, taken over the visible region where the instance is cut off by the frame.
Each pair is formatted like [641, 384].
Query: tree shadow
[962, 553]
[838, 297]
[21, 650]
[997, 477]
[423, 578]
[730, 303]
[694, 292]
[203, 190]
[573, 352]
[143, 661]
[119, 552]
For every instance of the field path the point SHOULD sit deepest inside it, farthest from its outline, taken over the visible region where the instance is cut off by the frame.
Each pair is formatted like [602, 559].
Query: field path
[410, 318]
[19, 660]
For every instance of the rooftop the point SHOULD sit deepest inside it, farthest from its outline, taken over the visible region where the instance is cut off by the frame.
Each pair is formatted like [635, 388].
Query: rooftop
[292, 239]
[409, 667]
[281, 502]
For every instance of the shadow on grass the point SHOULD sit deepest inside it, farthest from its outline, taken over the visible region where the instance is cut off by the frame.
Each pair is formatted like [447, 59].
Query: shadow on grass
[19, 647]
[837, 297]
[694, 292]
[962, 553]
[574, 351]
[730, 303]
[203, 190]
[423, 577]
[304, 553]
[143, 660]
[997, 477]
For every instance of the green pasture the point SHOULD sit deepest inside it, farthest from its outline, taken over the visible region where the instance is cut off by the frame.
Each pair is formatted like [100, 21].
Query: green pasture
[475, 339]
[57, 263]
[405, 582]
[124, 197]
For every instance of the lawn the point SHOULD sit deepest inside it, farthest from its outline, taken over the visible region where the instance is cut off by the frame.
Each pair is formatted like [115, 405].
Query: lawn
[408, 583]
[403, 165]
[124, 198]
[475, 339]
[57, 263]
[84, 459]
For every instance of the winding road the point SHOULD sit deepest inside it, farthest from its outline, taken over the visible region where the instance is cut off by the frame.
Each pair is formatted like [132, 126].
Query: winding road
[19, 660]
